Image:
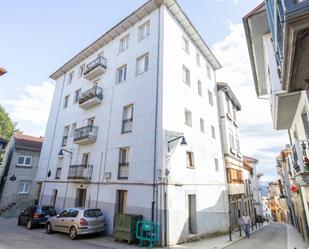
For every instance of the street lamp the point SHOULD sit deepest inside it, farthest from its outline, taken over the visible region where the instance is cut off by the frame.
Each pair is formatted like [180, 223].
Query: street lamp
[60, 154]
[182, 143]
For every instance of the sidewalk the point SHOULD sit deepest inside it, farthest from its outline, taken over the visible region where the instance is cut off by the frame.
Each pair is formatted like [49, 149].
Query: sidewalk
[294, 238]
[216, 242]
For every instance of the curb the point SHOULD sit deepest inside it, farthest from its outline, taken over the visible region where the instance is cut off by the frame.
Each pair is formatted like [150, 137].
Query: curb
[242, 237]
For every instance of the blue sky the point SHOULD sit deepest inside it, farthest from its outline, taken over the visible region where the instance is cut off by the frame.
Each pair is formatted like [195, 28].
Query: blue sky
[37, 37]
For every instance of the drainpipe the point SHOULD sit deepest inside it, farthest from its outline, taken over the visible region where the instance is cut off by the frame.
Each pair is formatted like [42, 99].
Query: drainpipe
[154, 187]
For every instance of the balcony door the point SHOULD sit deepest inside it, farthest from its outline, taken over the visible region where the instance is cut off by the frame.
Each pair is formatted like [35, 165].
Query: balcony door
[85, 160]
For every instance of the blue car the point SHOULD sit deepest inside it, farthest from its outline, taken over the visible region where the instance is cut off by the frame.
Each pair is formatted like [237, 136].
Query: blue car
[35, 215]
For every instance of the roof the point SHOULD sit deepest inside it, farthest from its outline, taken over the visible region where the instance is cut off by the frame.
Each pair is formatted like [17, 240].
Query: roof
[129, 21]
[23, 141]
[255, 52]
[222, 86]
[250, 159]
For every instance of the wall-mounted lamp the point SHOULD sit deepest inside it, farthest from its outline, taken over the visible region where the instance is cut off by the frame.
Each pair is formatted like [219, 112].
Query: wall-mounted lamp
[60, 154]
[182, 143]
[12, 178]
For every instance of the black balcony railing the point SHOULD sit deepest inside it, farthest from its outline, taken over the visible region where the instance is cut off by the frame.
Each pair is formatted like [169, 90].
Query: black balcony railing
[80, 172]
[127, 125]
[99, 61]
[123, 172]
[86, 132]
[94, 92]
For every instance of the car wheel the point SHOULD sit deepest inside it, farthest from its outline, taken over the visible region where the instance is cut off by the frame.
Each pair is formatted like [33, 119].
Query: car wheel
[18, 222]
[29, 225]
[73, 233]
[49, 229]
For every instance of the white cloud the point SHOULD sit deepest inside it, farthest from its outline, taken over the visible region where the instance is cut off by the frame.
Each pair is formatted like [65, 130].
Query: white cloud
[31, 108]
[257, 137]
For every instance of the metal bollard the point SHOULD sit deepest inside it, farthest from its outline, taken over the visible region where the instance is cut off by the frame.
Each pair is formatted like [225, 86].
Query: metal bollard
[230, 232]
[239, 231]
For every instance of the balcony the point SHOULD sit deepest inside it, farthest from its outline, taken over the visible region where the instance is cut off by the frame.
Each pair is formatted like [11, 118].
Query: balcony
[300, 153]
[123, 172]
[85, 135]
[82, 172]
[289, 25]
[236, 188]
[91, 97]
[127, 125]
[95, 68]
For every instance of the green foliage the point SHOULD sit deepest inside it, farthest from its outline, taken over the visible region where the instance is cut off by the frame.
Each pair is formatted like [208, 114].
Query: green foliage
[7, 127]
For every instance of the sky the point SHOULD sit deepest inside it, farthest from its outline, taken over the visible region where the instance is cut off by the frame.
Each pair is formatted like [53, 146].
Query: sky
[37, 37]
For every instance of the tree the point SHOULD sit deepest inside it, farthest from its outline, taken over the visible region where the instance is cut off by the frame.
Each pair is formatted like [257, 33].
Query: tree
[7, 127]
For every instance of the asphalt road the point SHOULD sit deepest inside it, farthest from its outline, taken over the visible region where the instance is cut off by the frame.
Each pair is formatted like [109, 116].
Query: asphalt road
[273, 236]
[18, 237]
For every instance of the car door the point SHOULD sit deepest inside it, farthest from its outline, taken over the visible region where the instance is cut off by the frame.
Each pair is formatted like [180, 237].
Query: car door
[23, 215]
[59, 221]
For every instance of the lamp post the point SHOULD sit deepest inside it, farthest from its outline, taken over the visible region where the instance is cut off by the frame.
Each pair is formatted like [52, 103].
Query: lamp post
[61, 155]
[182, 143]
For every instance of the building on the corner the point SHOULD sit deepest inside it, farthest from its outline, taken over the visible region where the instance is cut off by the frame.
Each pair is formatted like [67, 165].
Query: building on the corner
[18, 171]
[131, 129]
[228, 106]
[266, 210]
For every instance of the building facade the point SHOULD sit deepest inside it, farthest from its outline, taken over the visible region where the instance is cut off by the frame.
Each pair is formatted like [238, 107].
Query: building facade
[119, 111]
[228, 108]
[18, 171]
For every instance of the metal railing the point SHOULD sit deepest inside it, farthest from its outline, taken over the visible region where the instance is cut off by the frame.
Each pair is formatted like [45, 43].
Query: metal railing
[86, 132]
[123, 172]
[80, 172]
[127, 125]
[93, 92]
[300, 153]
[99, 61]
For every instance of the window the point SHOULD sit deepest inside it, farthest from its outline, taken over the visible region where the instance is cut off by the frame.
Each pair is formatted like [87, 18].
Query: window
[208, 72]
[188, 118]
[186, 75]
[198, 59]
[124, 43]
[210, 98]
[202, 125]
[216, 164]
[73, 128]
[23, 187]
[122, 74]
[185, 44]
[90, 121]
[228, 105]
[24, 161]
[143, 31]
[127, 118]
[81, 71]
[231, 138]
[213, 132]
[237, 143]
[234, 176]
[234, 113]
[65, 135]
[141, 64]
[70, 77]
[77, 95]
[58, 173]
[66, 101]
[190, 159]
[123, 172]
[199, 88]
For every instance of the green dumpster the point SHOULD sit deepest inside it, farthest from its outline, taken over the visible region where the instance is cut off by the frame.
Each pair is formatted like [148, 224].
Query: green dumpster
[124, 226]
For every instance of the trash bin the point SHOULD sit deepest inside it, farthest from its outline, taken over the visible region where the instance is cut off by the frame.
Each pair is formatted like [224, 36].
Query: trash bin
[124, 226]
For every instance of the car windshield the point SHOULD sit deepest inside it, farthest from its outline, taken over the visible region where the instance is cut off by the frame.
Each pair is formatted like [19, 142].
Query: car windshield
[48, 210]
[92, 213]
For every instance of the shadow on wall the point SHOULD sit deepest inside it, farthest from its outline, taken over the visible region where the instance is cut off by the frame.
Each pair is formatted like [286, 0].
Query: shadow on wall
[210, 222]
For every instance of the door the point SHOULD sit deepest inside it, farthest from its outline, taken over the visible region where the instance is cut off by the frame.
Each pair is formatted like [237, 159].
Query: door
[85, 159]
[122, 201]
[54, 198]
[80, 198]
[192, 214]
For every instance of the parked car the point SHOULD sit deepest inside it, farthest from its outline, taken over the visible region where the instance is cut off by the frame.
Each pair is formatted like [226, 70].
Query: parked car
[35, 215]
[77, 221]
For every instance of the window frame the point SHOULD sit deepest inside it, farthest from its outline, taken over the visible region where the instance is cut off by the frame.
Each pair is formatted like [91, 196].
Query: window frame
[81, 70]
[145, 58]
[208, 71]
[186, 75]
[216, 164]
[202, 125]
[23, 164]
[66, 101]
[199, 88]
[190, 121]
[185, 45]
[123, 70]
[77, 95]
[70, 77]
[198, 59]
[190, 159]
[143, 31]
[210, 98]
[25, 183]
[127, 119]
[122, 43]
[213, 132]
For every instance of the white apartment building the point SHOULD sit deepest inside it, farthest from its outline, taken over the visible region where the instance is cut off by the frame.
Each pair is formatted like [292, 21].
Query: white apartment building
[228, 108]
[134, 128]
